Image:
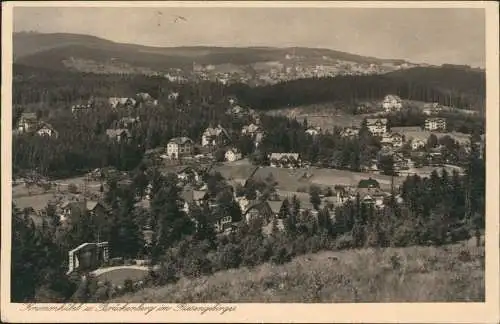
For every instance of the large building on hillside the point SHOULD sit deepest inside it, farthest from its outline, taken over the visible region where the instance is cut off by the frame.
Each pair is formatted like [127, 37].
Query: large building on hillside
[392, 103]
[435, 124]
[179, 147]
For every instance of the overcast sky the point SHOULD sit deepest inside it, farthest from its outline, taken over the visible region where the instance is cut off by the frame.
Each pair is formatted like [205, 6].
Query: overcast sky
[434, 36]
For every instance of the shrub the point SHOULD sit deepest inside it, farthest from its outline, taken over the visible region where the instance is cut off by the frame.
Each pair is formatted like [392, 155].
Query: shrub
[128, 285]
[196, 265]
[282, 256]
[229, 256]
[345, 241]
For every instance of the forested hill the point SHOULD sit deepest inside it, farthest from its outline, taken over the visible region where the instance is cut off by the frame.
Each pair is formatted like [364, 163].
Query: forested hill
[448, 85]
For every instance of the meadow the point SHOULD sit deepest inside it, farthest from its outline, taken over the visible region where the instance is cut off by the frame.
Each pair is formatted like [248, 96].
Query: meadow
[453, 273]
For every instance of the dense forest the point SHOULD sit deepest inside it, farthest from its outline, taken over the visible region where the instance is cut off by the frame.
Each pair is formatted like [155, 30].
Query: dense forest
[448, 86]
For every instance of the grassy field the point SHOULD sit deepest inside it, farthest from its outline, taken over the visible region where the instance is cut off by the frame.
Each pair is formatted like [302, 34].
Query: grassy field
[291, 180]
[414, 274]
[118, 276]
[326, 116]
[38, 198]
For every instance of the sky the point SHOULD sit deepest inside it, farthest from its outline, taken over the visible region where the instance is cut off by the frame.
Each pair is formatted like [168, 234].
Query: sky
[434, 36]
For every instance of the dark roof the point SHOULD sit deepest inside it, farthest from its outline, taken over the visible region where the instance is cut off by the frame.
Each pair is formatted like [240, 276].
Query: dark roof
[180, 140]
[368, 183]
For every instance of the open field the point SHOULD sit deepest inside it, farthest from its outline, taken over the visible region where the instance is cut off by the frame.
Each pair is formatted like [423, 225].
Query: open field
[326, 116]
[291, 180]
[38, 198]
[413, 274]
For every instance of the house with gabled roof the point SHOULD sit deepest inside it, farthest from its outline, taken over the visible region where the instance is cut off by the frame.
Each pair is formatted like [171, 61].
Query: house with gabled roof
[119, 134]
[46, 129]
[392, 103]
[215, 136]
[179, 147]
[233, 154]
[27, 122]
[377, 126]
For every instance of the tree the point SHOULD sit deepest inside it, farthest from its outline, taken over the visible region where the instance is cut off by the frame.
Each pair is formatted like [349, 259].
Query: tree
[386, 164]
[315, 199]
[432, 141]
[220, 155]
[170, 223]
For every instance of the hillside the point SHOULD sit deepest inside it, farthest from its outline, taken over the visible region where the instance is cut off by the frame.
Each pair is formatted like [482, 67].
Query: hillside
[413, 274]
[61, 51]
[450, 86]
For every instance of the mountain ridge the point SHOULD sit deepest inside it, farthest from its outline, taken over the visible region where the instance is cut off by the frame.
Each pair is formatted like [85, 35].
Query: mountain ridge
[35, 49]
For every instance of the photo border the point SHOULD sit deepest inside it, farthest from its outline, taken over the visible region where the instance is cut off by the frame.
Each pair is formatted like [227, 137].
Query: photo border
[284, 312]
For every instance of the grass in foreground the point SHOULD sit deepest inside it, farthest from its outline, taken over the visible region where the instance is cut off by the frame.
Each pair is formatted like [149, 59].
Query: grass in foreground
[414, 274]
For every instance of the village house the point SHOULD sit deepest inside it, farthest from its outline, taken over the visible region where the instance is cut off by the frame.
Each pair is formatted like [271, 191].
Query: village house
[214, 136]
[259, 209]
[27, 122]
[188, 174]
[45, 129]
[251, 129]
[69, 210]
[284, 159]
[127, 122]
[146, 98]
[349, 132]
[377, 126]
[82, 108]
[368, 185]
[191, 196]
[233, 155]
[223, 224]
[435, 124]
[179, 147]
[118, 134]
[392, 103]
[392, 139]
[431, 108]
[115, 102]
[313, 131]
[417, 144]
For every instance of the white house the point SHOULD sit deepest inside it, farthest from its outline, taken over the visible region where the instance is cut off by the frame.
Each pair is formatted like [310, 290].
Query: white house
[313, 131]
[75, 109]
[46, 129]
[179, 147]
[392, 103]
[251, 129]
[233, 155]
[433, 124]
[377, 126]
[115, 101]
